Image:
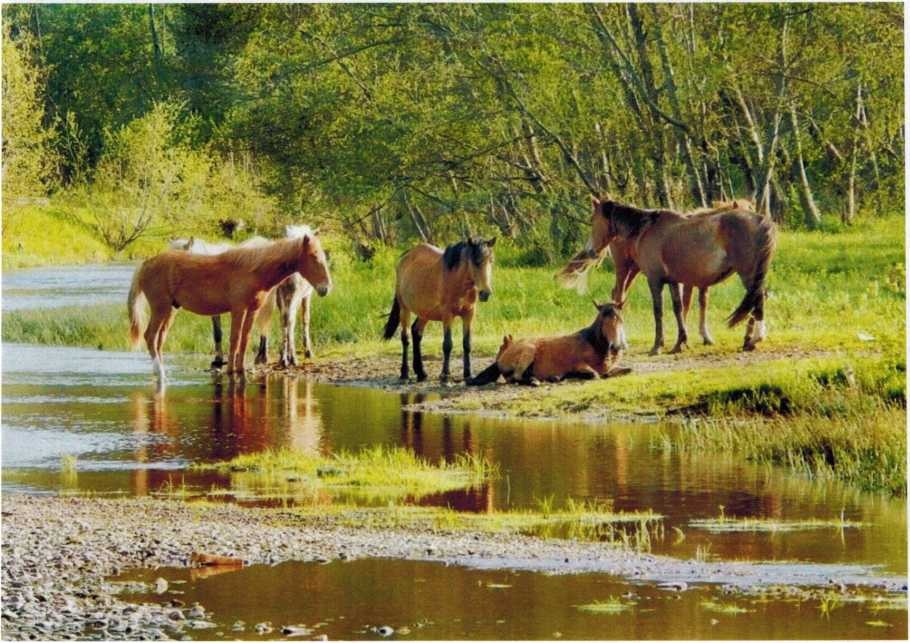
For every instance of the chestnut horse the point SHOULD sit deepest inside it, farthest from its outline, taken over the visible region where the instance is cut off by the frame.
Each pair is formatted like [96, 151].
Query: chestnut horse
[697, 251]
[237, 281]
[439, 285]
[590, 353]
[626, 268]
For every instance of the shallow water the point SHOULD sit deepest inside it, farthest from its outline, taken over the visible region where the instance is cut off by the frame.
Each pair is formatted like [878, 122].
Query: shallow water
[58, 286]
[101, 408]
[351, 600]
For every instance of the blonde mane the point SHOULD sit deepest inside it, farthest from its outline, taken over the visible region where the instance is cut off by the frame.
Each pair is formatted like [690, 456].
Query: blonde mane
[265, 255]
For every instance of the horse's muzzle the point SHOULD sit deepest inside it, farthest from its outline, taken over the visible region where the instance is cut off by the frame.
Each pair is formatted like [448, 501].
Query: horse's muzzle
[323, 290]
[485, 294]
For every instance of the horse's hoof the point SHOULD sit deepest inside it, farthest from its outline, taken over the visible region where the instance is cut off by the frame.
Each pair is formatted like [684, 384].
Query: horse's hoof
[678, 348]
[443, 379]
[709, 341]
[654, 351]
[308, 354]
[534, 382]
[421, 377]
[217, 363]
[748, 347]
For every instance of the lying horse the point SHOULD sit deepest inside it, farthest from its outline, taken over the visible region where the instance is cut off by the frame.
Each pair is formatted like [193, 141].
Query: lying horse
[590, 353]
[293, 294]
[237, 281]
[698, 251]
[626, 269]
[439, 285]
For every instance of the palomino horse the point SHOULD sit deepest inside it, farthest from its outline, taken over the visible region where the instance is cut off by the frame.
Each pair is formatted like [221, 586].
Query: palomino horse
[293, 294]
[263, 317]
[626, 269]
[590, 353]
[698, 251]
[237, 281]
[439, 285]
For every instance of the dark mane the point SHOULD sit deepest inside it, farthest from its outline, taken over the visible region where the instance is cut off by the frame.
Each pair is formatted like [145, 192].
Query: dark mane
[630, 219]
[451, 256]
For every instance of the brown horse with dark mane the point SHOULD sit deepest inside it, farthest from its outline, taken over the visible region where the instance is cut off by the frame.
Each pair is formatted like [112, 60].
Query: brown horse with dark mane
[695, 251]
[439, 285]
[237, 281]
[590, 353]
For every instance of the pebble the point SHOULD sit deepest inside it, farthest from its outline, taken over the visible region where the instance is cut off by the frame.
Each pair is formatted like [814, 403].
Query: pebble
[385, 630]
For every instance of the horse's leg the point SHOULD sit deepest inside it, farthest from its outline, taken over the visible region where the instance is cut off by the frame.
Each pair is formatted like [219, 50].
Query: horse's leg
[755, 330]
[583, 372]
[466, 320]
[238, 317]
[157, 318]
[244, 338]
[405, 319]
[218, 362]
[682, 337]
[291, 330]
[656, 285]
[283, 307]
[262, 355]
[417, 334]
[446, 348]
[703, 316]
[687, 300]
[305, 311]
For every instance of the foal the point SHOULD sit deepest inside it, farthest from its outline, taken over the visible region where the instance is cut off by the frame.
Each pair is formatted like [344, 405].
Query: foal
[237, 281]
[439, 285]
[590, 353]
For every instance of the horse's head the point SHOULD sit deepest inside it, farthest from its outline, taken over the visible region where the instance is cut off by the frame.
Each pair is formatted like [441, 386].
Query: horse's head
[506, 342]
[602, 228]
[480, 265]
[609, 324]
[313, 264]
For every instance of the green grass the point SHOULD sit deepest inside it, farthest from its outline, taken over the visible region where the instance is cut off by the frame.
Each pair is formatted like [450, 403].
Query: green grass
[728, 524]
[611, 606]
[632, 530]
[719, 607]
[376, 473]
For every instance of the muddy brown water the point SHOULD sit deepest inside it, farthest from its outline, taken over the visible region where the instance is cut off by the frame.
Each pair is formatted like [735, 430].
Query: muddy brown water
[100, 407]
[353, 600]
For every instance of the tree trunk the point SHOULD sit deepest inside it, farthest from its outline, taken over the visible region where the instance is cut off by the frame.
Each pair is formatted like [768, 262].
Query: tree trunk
[810, 211]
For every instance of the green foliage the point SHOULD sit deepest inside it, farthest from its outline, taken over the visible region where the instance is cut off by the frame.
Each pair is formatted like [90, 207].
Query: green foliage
[392, 122]
[29, 159]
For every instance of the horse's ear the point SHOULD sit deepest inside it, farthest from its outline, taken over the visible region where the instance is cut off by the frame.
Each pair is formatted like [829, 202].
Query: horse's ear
[596, 305]
[618, 304]
[491, 242]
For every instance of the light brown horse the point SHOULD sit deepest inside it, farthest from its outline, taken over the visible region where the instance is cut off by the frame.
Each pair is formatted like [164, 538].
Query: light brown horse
[237, 281]
[697, 251]
[439, 285]
[590, 353]
[626, 269]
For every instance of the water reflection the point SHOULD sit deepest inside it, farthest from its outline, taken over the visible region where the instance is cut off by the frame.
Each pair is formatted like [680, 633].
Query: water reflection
[125, 438]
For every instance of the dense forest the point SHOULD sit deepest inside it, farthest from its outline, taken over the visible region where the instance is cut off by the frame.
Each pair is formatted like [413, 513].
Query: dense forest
[396, 122]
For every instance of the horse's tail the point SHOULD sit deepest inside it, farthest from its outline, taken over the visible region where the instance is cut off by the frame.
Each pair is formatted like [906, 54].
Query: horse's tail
[486, 376]
[134, 308]
[391, 324]
[765, 241]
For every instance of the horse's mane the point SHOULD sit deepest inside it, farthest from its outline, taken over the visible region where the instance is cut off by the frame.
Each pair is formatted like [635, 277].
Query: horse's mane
[454, 254]
[257, 256]
[629, 218]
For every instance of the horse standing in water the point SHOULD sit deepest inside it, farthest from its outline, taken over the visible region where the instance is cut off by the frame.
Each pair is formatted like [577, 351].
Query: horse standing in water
[696, 251]
[237, 281]
[439, 285]
[293, 294]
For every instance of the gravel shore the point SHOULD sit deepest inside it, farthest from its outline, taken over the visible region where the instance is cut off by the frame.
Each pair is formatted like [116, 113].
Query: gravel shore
[58, 553]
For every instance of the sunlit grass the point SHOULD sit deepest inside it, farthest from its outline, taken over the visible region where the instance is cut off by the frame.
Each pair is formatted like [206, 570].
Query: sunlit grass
[724, 524]
[377, 472]
[719, 607]
[633, 530]
[611, 605]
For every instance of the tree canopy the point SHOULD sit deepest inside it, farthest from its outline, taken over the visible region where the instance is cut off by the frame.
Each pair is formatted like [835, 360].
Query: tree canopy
[431, 120]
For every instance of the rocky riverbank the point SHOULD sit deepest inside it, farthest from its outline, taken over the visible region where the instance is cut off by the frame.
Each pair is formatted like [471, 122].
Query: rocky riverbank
[59, 554]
